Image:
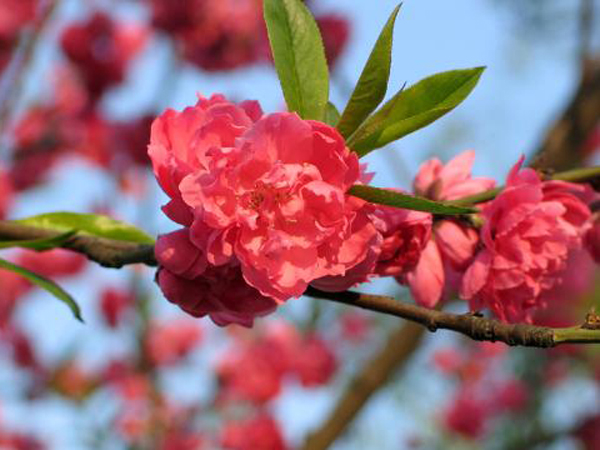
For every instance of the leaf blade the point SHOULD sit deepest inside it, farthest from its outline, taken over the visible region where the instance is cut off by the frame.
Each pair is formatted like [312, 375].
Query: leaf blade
[399, 200]
[90, 224]
[46, 284]
[41, 244]
[299, 57]
[373, 81]
[332, 115]
[415, 107]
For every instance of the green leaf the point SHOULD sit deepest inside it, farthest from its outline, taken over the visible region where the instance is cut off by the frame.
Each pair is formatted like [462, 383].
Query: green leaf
[372, 84]
[396, 199]
[299, 57]
[46, 284]
[41, 244]
[332, 115]
[91, 224]
[414, 108]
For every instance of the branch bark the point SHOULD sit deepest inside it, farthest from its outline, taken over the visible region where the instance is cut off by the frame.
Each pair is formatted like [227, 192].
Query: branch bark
[396, 351]
[116, 254]
[562, 147]
[471, 325]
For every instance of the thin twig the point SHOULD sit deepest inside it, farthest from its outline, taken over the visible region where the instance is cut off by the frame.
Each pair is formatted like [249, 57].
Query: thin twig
[22, 60]
[585, 174]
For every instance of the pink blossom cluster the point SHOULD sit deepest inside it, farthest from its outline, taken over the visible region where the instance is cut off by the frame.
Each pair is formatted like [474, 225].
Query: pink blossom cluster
[529, 231]
[101, 49]
[485, 391]
[265, 212]
[220, 35]
[264, 206]
[15, 16]
[253, 370]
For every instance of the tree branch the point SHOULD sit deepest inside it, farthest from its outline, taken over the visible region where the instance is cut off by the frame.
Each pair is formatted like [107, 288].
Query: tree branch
[472, 325]
[562, 147]
[116, 254]
[400, 345]
[106, 252]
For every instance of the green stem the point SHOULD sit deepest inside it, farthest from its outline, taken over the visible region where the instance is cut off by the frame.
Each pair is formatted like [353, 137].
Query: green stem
[576, 335]
[581, 175]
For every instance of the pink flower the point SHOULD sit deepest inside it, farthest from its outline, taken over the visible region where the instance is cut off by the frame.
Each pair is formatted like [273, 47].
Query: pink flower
[253, 371]
[14, 15]
[217, 291]
[169, 342]
[450, 181]
[315, 363]
[592, 239]
[101, 50]
[13, 287]
[213, 34]
[256, 433]
[277, 201]
[405, 234]
[468, 414]
[180, 141]
[450, 248]
[426, 280]
[113, 304]
[457, 243]
[529, 230]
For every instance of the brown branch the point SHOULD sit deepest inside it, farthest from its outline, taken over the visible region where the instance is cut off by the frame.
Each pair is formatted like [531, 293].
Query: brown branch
[114, 253]
[562, 147]
[106, 252]
[394, 354]
[471, 325]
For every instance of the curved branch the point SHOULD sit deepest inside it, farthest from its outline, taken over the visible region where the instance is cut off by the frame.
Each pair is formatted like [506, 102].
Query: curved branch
[106, 252]
[116, 254]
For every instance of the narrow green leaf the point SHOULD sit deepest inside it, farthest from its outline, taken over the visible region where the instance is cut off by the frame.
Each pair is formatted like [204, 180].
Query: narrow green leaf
[91, 224]
[40, 244]
[372, 84]
[332, 115]
[414, 108]
[46, 284]
[299, 57]
[405, 201]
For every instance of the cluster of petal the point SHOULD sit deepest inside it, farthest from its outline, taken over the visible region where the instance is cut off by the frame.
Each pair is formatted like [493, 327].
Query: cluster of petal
[447, 248]
[169, 342]
[222, 35]
[101, 48]
[114, 303]
[592, 239]
[258, 432]
[529, 231]
[264, 205]
[14, 16]
[200, 289]
[253, 371]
